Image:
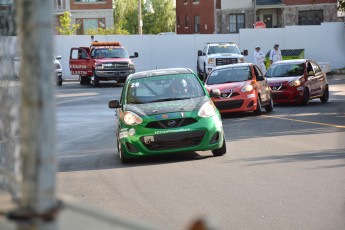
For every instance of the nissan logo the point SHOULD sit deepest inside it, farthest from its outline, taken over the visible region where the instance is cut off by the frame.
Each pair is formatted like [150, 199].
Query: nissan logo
[171, 123]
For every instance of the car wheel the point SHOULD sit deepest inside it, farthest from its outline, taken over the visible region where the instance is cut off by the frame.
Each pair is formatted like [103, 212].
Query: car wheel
[122, 157]
[269, 107]
[305, 100]
[59, 81]
[82, 80]
[95, 81]
[325, 96]
[258, 110]
[221, 151]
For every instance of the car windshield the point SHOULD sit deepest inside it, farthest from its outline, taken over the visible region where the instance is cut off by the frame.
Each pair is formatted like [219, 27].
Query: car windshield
[226, 48]
[285, 70]
[110, 53]
[228, 75]
[163, 88]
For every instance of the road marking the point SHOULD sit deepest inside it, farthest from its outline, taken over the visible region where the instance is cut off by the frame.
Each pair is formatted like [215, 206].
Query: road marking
[308, 122]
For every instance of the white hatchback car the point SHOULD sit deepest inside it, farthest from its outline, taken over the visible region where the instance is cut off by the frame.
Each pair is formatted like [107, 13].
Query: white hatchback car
[57, 66]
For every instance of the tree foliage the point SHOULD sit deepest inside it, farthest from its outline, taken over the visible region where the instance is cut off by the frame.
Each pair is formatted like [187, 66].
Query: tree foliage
[157, 15]
[341, 5]
[66, 28]
[107, 31]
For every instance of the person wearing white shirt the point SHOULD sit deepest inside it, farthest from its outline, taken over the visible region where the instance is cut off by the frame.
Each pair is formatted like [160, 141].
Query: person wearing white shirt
[259, 59]
[275, 54]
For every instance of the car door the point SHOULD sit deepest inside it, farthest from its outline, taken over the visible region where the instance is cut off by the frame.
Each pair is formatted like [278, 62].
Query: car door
[80, 62]
[262, 85]
[318, 80]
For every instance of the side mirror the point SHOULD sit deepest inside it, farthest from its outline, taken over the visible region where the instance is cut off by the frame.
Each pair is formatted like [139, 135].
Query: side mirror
[114, 104]
[58, 57]
[215, 93]
[200, 53]
[260, 78]
[136, 54]
[245, 52]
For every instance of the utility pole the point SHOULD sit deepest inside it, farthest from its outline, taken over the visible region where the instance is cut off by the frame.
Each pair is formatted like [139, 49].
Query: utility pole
[38, 207]
[254, 4]
[140, 21]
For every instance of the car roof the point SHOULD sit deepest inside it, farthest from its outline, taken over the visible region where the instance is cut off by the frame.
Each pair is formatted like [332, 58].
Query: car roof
[293, 61]
[160, 72]
[234, 65]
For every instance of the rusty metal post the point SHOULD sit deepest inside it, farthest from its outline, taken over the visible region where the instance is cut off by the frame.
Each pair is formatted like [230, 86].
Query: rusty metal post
[38, 204]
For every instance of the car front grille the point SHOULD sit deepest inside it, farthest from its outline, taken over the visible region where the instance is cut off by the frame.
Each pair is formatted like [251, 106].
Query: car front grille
[225, 61]
[174, 140]
[224, 105]
[116, 65]
[173, 123]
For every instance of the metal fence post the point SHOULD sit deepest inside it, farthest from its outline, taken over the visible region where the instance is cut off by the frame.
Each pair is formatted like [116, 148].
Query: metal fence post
[38, 204]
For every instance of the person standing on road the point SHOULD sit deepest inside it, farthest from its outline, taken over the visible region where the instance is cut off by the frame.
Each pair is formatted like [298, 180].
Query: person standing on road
[259, 59]
[275, 54]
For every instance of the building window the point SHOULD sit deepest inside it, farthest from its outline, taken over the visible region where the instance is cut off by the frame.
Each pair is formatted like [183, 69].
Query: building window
[186, 21]
[310, 17]
[196, 24]
[185, 1]
[196, 1]
[89, 23]
[236, 22]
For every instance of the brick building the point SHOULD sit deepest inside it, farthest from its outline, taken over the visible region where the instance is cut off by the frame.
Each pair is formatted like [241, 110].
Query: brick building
[196, 16]
[90, 14]
[229, 16]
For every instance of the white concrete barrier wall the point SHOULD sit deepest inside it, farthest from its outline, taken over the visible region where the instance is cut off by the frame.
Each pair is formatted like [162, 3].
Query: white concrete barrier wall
[324, 43]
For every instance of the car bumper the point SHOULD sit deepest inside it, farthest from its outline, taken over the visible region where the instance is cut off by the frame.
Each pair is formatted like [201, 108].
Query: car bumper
[291, 96]
[206, 134]
[245, 103]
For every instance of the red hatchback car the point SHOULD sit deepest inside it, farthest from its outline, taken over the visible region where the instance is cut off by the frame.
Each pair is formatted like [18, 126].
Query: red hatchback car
[242, 88]
[297, 81]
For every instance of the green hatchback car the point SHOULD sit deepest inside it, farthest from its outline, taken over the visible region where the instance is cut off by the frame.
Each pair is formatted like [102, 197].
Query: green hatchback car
[166, 111]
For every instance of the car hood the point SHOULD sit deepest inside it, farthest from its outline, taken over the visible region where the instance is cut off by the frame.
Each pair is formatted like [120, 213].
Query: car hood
[279, 80]
[148, 109]
[107, 60]
[227, 86]
[224, 55]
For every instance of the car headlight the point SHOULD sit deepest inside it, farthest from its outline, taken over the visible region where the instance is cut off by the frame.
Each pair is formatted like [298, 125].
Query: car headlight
[131, 118]
[295, 83]
[99, 67]
[211, 61]
[57, 65]
[241, 60]
[131, 66]
[207, 110]
[247, 88]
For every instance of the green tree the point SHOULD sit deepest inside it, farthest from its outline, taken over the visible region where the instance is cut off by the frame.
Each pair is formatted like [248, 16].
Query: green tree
[341, 5]
[66, 28]
[126, 16]
[162, 19]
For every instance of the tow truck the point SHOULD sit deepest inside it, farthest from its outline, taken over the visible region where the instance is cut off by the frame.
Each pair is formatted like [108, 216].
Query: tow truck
[102, 61]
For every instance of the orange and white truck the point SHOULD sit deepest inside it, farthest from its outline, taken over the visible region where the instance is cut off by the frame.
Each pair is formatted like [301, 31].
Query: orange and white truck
[102, 61]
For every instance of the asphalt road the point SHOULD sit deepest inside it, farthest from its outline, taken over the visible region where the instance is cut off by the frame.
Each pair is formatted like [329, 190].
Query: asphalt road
[282, 170]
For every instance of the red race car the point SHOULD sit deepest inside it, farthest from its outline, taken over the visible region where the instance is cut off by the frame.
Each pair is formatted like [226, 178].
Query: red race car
[242, 88]
[297, 81]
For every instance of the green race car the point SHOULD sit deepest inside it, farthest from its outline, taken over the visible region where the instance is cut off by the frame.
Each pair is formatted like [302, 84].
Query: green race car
[166, 111]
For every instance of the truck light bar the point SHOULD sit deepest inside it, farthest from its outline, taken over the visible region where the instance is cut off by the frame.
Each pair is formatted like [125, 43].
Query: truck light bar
[105, 44]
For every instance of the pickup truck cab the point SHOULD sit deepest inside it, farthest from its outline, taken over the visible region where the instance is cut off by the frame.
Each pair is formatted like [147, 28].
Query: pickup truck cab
[217, 54]
[102, 61]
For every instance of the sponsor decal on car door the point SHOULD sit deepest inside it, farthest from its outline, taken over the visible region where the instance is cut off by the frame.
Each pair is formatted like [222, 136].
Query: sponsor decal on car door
[80, 62]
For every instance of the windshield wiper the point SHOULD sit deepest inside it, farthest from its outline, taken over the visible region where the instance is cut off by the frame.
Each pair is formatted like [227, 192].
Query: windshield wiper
[171, 99]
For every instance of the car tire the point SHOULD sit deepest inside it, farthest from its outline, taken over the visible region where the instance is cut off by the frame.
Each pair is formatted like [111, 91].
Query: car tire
[305, 99]
[122, 157]
[258, 109]
[325, 95]
[82, 80]
[221, 151]
[95, 81]
[269, 107]
[59, 81]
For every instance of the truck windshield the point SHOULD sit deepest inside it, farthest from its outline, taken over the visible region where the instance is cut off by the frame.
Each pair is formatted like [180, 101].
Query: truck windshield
[110, 53]
[218, 49]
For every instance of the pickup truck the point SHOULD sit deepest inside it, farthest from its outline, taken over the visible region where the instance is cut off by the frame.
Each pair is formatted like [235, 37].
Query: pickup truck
[216, 54]
[102, 61]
